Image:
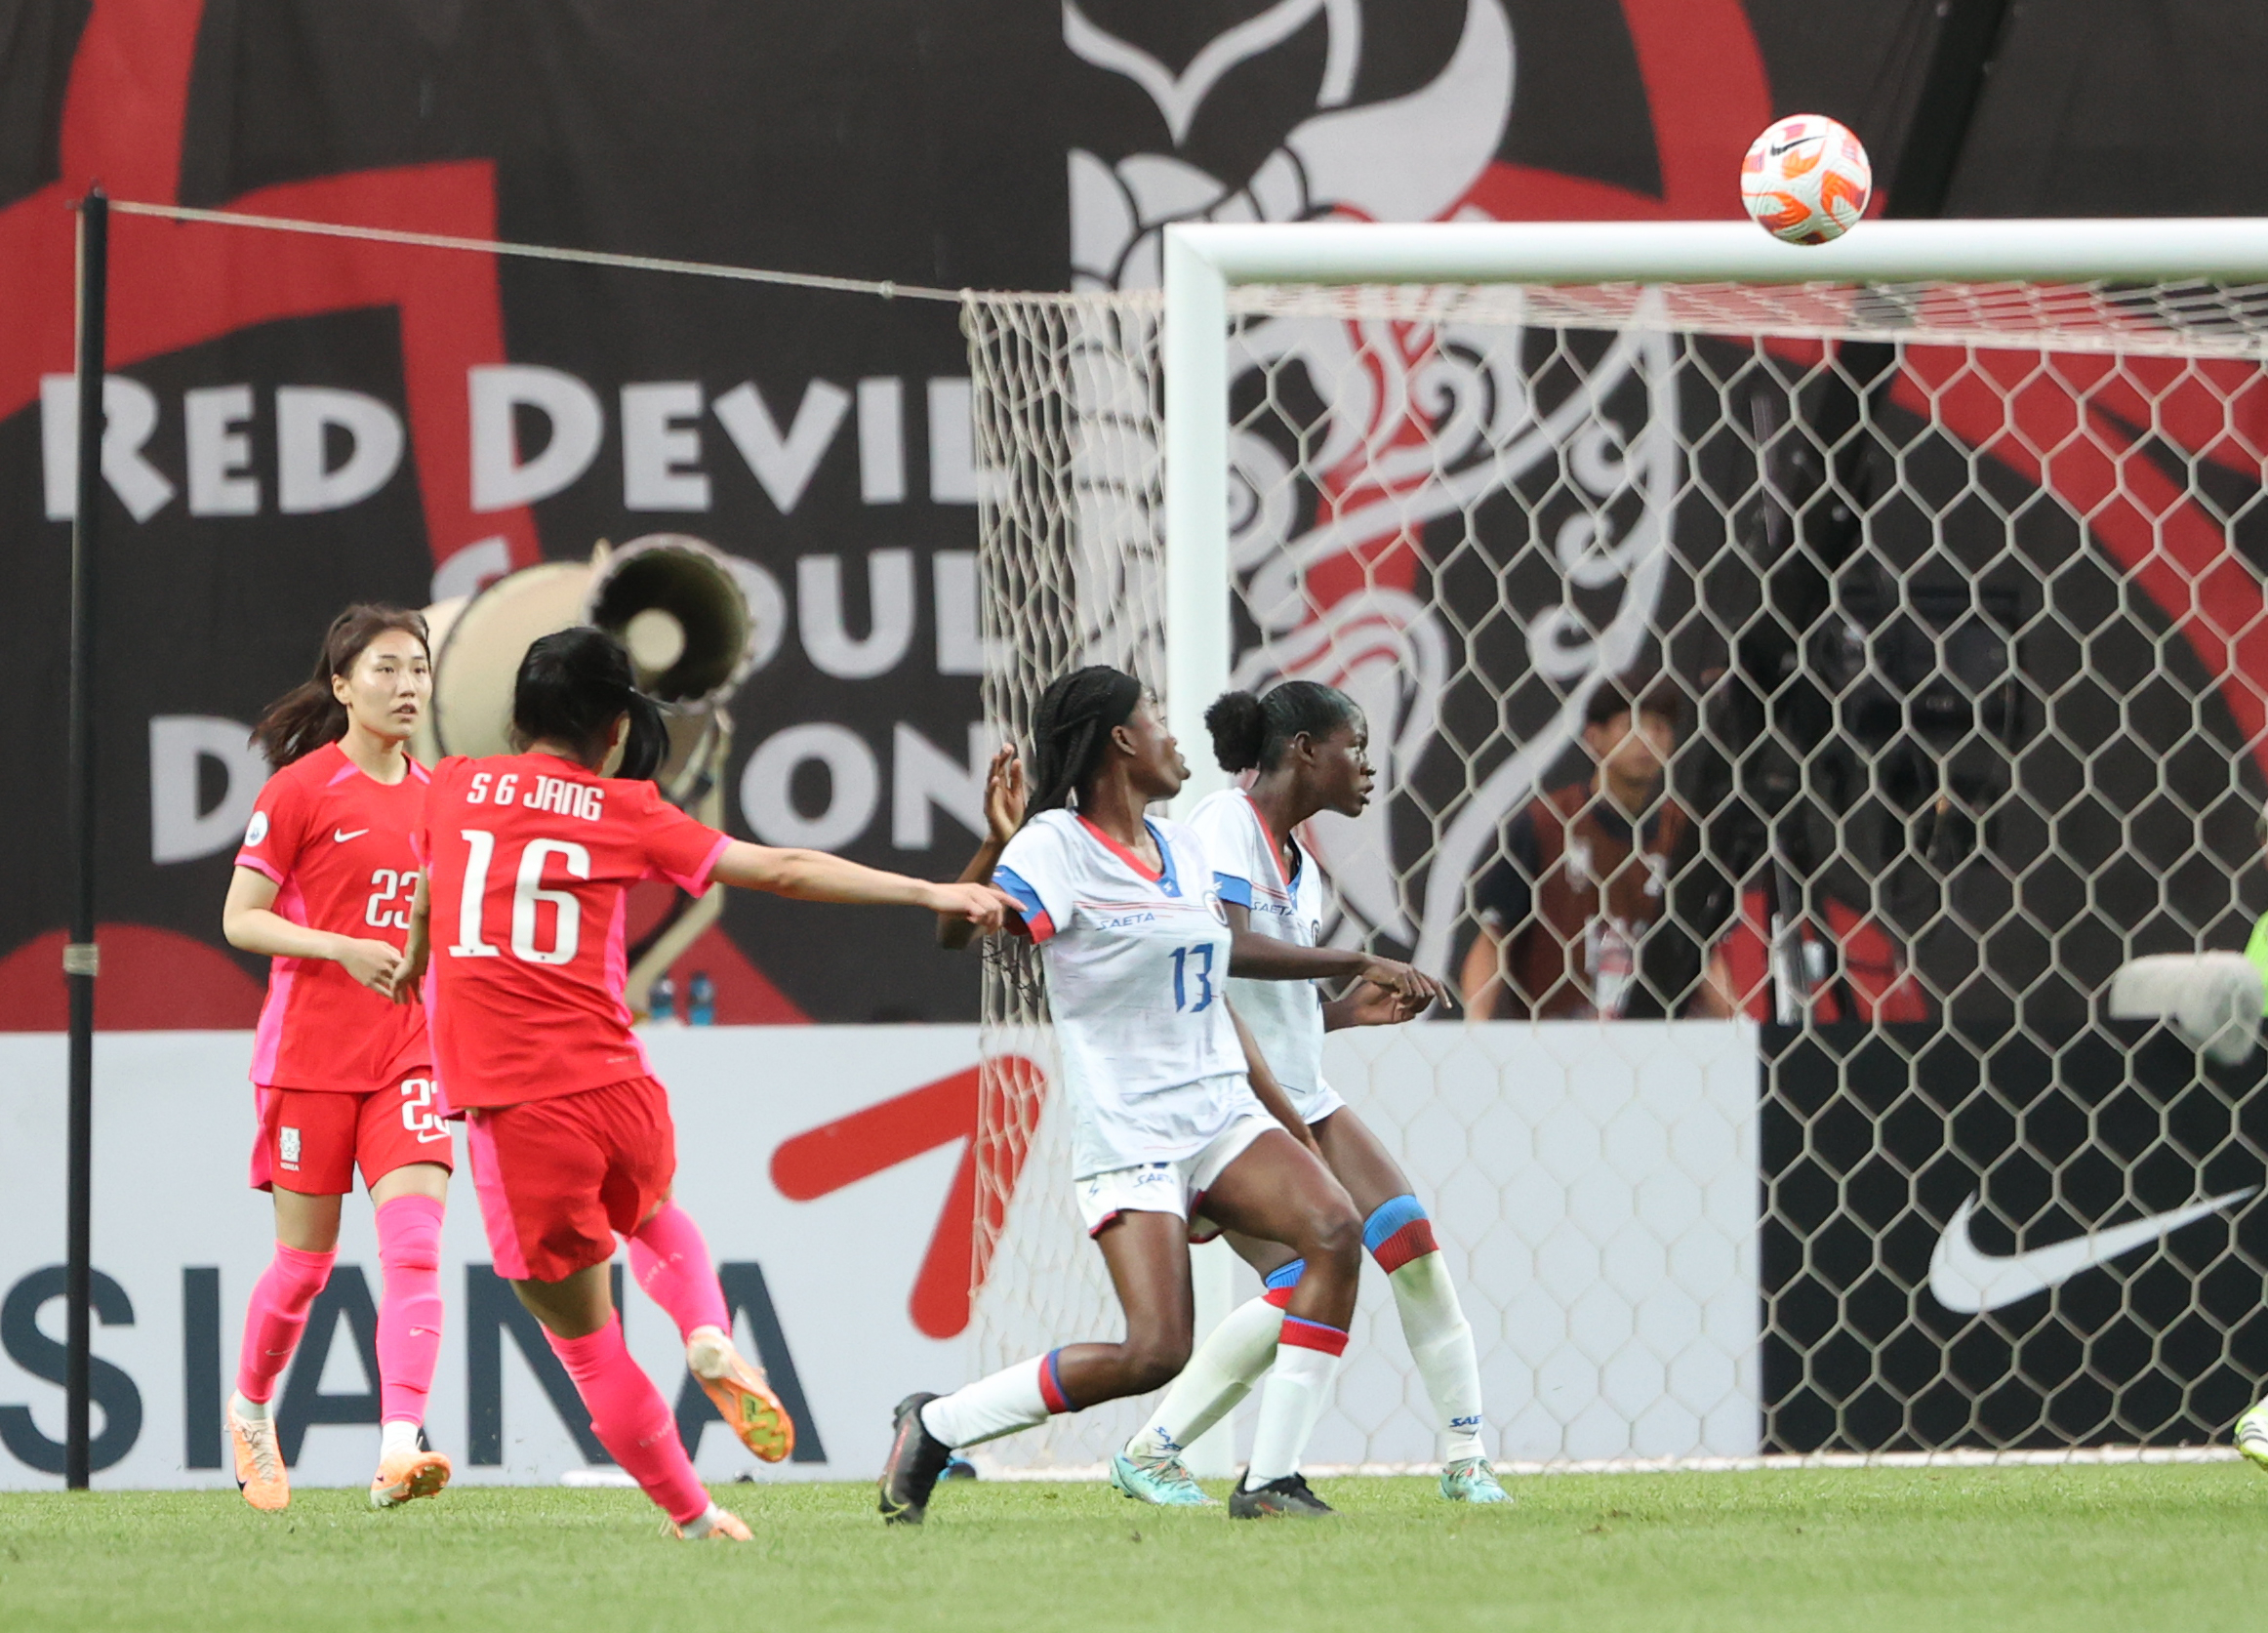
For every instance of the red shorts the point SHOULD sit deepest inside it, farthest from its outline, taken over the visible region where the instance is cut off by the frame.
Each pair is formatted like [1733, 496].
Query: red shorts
[312, 1140]
[560, 1178]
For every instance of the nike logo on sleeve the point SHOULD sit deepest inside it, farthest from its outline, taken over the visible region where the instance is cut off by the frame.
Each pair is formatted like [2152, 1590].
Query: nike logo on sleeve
[340, 837]
[1966, 1279]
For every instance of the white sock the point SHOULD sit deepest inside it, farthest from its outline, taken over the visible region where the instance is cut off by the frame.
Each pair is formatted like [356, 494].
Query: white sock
[1292, 1403]
[694, 1529]
[251, 1412]
[1011, 1398]
[1220, 1375]
[397, 1436]
[1440, 1342]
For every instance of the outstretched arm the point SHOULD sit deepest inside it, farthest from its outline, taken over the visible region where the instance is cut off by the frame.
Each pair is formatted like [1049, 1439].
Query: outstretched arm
[814, 875]
[1256, 956]
[1003, 815]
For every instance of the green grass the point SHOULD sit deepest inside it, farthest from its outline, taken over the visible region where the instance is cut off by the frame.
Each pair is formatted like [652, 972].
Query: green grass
[2005, 1550]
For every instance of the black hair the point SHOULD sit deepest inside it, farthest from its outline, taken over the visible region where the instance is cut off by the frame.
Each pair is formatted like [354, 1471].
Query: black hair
[571, 689]
[1659, 698]
[1071, 727]
[310, 714]
[1254, 731]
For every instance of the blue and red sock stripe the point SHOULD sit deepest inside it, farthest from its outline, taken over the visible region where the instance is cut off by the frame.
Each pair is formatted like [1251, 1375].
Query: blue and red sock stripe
[1282, 1281]
[1398, 1233]
[1304, 1334]
[1051, 1383]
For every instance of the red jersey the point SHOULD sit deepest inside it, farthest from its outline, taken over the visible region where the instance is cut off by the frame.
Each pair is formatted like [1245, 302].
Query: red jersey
[529, 859]
[338, 845]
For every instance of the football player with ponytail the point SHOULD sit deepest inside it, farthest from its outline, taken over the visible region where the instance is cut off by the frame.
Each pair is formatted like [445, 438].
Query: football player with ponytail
[528, 863]
[1166, 1094]
[344, 1078]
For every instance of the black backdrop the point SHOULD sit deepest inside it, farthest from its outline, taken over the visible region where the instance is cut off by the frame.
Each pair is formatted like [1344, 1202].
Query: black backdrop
[877, 139]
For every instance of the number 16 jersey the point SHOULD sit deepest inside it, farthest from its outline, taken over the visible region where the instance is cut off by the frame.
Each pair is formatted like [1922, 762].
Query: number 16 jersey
[529, 859]
[1137, 965]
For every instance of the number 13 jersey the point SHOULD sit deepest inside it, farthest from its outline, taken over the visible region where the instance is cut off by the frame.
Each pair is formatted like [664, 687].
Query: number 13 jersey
[1137, 965]
[529, 859]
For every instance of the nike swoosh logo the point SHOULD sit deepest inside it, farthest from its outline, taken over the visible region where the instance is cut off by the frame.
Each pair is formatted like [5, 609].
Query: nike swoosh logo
[342, 837]
[1964, 1279]
[1780, 148]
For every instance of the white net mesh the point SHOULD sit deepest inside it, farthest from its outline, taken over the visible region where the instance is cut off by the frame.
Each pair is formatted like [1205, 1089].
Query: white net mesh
[1958, 593]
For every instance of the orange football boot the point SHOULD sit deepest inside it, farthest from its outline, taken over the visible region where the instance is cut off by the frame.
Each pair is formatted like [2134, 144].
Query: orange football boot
[742, 1397]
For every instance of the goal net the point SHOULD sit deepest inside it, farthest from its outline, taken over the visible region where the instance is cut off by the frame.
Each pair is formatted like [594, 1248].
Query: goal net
[1956, 592]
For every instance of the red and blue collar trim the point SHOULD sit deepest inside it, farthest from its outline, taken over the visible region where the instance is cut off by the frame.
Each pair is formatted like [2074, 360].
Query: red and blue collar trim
[1273, 847]
[1167, 882]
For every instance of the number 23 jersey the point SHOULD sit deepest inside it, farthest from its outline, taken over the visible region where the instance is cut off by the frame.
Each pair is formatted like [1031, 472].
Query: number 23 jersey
[1137, 965]
[529, 859]
[336, 843]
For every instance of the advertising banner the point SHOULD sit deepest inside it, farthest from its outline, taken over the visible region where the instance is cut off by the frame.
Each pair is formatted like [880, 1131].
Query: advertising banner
[1593, 1187]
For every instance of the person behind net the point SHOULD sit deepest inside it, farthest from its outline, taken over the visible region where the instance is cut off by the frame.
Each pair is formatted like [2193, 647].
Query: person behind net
[1309, 745]
[343, 1079]
[527, 861]
[1584, 876]
[1177, 1126]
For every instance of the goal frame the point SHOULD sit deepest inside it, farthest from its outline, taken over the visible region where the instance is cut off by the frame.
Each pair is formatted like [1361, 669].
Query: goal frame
[1203, 261]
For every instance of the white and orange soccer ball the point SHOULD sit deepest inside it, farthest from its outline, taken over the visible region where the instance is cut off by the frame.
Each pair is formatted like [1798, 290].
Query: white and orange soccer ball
[1806, 180]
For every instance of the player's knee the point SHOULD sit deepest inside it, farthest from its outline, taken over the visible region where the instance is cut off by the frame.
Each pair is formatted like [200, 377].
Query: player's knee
[1335, 1236]
[1154, 1360]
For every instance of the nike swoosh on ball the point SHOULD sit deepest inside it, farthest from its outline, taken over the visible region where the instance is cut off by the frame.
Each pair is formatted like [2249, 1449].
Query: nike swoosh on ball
[1965, 1278]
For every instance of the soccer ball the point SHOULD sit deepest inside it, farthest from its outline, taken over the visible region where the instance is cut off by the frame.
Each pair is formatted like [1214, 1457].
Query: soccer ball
[1806, 180]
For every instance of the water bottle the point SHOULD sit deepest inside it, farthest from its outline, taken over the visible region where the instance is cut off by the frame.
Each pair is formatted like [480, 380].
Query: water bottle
[662, 999]
[701, 1000]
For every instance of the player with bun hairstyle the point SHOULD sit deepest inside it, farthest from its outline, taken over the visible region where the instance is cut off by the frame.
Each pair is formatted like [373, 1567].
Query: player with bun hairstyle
[528, 859]
[1309, 746]
[344, 1078]
[1177, 1124]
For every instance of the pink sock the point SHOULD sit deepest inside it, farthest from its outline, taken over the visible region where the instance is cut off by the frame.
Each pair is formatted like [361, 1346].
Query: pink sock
[627, 1417]
[671, 1263]
[409, 1309]
[277, 1315]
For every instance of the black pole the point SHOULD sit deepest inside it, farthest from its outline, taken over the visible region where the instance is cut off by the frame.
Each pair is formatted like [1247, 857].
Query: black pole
[79, 957]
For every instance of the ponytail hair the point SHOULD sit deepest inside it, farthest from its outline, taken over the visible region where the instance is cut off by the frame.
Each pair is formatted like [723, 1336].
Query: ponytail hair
[1252, 732]
[571, 689]
[1069, 730]
[308, 716]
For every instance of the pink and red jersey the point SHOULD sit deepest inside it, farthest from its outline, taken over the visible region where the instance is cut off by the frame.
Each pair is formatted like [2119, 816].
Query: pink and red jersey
[338, 845]
[529, 859]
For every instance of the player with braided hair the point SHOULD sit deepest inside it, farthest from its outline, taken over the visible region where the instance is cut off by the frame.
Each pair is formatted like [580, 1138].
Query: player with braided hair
[1309, 747]
[1170, 1102]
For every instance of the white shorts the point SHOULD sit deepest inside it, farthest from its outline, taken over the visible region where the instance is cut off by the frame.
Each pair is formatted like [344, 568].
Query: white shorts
[1314, 1104]
[1175, 1188]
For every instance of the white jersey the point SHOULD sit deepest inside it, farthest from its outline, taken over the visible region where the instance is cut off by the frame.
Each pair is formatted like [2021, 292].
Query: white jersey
[1137, 963]
[1285, 1017]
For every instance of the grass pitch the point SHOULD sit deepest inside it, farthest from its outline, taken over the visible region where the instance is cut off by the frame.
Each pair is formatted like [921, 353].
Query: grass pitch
[1940, 1550]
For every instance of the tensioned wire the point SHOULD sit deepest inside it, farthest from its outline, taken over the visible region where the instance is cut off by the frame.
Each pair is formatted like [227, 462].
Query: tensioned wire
[2193, 317]
[883, 289]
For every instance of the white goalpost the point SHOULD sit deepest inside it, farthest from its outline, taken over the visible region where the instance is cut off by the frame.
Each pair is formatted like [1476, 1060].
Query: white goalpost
[1941, 535]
